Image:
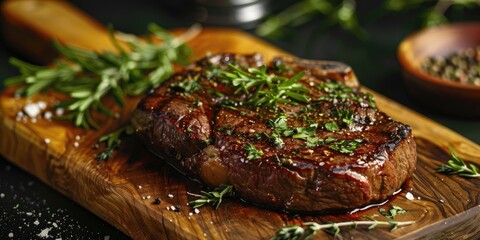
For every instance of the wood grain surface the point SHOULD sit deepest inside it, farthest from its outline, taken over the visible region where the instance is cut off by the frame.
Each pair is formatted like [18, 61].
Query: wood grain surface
[122, 190]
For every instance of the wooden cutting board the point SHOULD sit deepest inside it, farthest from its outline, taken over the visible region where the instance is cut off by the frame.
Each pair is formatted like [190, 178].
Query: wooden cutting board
[122, 190]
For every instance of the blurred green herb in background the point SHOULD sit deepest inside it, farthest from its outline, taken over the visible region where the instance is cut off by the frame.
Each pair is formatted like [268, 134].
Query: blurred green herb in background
[435, 12]
[343, 13]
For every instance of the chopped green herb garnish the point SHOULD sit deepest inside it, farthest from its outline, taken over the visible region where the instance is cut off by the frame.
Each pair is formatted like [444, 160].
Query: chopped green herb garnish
[346, 115]
[314, 142]
[346, 146]
[305, 132]
[330, 140]
[252, 152]
[331, 126]
[188, 85]
[277, 141]
[279, 124]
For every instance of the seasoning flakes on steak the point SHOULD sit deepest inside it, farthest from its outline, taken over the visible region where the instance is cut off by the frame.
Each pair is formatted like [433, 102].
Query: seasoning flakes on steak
[295, 134]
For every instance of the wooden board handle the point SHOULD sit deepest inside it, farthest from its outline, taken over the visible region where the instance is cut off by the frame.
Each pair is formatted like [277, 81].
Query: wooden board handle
[30, 25]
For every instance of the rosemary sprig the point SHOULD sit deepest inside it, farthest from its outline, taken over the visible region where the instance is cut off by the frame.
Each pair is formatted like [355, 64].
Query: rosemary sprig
[266, 89]
[112, 142]
[309, 229]
[87, 76]
[213, 198]
[458, 166]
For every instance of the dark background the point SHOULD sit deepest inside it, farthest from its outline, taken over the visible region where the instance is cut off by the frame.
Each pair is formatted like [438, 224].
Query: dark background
[27, 206]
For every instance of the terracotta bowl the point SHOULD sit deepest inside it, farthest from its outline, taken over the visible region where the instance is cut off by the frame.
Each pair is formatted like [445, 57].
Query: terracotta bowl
[432, 92]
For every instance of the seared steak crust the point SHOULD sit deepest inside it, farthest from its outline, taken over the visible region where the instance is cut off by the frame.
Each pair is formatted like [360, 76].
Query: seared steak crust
[356, 154]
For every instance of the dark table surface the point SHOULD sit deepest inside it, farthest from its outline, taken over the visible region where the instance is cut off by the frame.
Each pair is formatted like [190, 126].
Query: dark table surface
[30, 209]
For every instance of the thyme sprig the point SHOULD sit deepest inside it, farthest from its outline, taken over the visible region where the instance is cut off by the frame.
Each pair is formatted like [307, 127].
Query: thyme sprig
[308, 229]
[112, 142]
[88, 76]
[392, 212]
[266, 89]
[213, 198]
[457, 166]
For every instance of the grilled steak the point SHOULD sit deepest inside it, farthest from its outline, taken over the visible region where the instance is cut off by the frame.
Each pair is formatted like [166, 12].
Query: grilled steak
[302, 143]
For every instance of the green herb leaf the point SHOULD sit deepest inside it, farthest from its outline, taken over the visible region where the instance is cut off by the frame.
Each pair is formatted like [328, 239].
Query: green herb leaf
[346, 146]
[331, 126]
[112, 142]
[188, 85]
[88, 76]
[458, 166]
[266, 89]
[277, 140]
[394, 211]
[346, 115]
[213, 198]
[252, 152]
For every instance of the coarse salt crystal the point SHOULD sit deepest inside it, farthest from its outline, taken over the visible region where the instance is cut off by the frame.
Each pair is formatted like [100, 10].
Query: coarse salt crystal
[196, 211]
[44, 233]
[139, 186]
[55, 224]
[59, 111]
[42, 105]
[32, 110]
[29, 214]
[10, 235]
[48, 115]
[2, 195]
[170, 195]
[47, 140]
[77, 137]
[36, 222]
[409, 196]
[76, 144]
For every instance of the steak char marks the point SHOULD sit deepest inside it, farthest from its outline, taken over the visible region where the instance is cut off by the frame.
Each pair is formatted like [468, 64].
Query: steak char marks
[334, 152]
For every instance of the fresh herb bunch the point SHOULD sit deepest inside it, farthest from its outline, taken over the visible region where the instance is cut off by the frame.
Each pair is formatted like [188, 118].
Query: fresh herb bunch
[392, 212]
[342, 13]
[266, 89]
[213, 198]
[308, 229]
[434, 14]
[112, 142]
[458, 166]
[87, 76]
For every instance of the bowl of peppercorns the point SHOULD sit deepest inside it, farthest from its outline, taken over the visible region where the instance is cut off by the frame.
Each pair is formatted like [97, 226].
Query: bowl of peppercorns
[441, 67]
